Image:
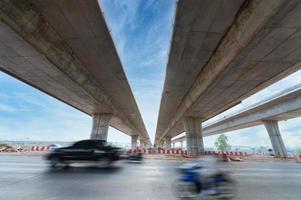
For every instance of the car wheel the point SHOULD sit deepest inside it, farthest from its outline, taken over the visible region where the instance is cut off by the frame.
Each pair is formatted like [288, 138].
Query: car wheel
[104, 162]
[55, 162]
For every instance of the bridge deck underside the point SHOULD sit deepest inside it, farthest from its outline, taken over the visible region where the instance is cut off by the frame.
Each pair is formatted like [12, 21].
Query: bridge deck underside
[273, 53]
[64, 48]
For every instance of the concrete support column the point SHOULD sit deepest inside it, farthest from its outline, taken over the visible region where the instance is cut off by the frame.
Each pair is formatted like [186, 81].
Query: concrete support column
[159, 144]
[134, 139]
[148, 144]
[100, 126]
[173, 145]
[168, 142]
[275, 137]
[142, 144]
[162, 145]
[194, 138]
[181, 144]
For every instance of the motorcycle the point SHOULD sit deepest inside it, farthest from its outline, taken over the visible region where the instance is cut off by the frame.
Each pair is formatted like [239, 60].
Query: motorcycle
[189, 185]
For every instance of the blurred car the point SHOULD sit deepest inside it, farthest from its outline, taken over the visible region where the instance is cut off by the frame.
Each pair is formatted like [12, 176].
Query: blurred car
[135, 157]
[97, 151]
[54, 146]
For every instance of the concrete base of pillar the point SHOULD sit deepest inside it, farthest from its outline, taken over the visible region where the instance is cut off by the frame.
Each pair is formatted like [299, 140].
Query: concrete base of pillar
[100, 126]
[276, 139]
[194, 138]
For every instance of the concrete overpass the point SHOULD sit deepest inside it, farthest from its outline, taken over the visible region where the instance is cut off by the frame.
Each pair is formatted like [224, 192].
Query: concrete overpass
[282, 107]
[221, 53]
[64, 48]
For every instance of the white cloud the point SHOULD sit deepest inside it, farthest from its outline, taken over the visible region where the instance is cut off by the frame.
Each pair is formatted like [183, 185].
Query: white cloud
[7, 108]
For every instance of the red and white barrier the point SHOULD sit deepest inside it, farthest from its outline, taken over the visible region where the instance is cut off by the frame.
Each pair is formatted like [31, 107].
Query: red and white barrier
[228, 153]
[41, 148]
[183, 152]
[157, 151]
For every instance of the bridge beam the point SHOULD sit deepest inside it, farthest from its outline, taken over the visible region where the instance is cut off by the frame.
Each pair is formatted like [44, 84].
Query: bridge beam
[194, 142]
[100, 126]
[275, 137]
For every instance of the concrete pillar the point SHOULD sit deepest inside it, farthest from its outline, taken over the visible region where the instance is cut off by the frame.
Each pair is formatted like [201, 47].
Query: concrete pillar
[160, 144]
[173, 145]
[100, 126]
[134, 139]
[168, 142]
[181, 144]
[142, 143]
[275, 137]
[148, 144]
[194, 138]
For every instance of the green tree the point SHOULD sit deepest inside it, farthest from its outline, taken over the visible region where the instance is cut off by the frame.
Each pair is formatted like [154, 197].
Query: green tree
[221, 143]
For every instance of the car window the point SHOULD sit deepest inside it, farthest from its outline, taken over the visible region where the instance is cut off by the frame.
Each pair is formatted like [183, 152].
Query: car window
[89, 144]
[80, 144]
[96, 144]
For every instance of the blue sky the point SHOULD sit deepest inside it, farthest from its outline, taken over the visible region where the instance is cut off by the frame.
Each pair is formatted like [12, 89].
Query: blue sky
[141, 30]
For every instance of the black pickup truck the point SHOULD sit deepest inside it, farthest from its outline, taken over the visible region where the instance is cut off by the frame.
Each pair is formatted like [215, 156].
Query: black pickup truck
[97, 151]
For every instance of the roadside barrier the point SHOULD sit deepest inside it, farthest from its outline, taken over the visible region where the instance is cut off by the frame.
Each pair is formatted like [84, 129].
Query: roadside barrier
[183, 152]
[40, 148]
[228, 153]
[157, 151]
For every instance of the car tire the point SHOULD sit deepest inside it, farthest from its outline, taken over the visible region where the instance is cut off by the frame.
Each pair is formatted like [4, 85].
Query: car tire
[55, 162]
[104, 163]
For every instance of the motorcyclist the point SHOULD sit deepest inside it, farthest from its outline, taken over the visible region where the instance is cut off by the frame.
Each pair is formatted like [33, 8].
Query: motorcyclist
[206, 170]
[204, 178]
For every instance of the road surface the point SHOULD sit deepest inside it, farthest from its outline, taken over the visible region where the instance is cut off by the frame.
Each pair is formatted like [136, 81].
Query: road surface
[27, 178]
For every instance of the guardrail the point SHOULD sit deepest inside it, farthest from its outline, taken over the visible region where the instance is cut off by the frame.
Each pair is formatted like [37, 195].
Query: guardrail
[157, 151]
[183, 152]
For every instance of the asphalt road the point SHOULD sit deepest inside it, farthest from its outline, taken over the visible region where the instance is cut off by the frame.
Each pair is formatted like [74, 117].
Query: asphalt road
[29, 178]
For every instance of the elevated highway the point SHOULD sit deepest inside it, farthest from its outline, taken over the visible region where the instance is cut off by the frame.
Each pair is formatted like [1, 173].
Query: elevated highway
[284, 106]
[64, 48]
[221, 53]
